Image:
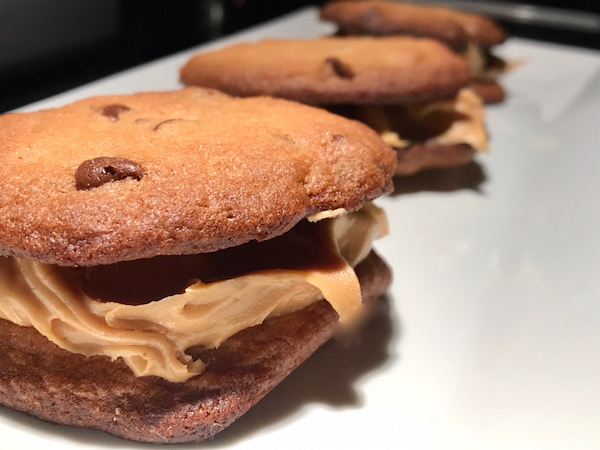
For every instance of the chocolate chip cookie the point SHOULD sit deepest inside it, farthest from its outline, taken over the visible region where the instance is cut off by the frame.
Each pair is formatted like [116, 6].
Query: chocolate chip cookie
[167, 258]
[332, 70]
[471, 35]
[411, 90]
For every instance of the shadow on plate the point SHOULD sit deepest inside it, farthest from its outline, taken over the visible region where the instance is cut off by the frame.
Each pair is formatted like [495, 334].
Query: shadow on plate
[59, 435]
[328, 377]
[470, 176]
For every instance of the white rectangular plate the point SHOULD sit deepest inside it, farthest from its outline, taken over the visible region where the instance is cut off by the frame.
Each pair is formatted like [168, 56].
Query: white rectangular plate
[493, 334]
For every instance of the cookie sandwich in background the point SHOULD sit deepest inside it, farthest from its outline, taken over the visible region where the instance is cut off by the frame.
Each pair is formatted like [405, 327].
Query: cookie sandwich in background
[412, 91]
[167, 258]
[471, 35]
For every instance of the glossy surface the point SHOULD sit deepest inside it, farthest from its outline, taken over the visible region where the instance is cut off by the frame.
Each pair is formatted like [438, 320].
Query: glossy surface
[492, 339]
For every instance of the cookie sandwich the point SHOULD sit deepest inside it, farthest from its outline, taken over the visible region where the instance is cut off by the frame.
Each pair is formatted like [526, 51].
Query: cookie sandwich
[168, 258]
[471, 35]
[412, 91]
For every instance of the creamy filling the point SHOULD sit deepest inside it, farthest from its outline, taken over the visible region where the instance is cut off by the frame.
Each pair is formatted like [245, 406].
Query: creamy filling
[466, 117]
[216, 295]
[459, 120]
[484, 65]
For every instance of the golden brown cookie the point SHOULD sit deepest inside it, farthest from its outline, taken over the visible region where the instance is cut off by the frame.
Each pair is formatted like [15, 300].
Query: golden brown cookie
[124, 177]
[419, 81]
[472, 35]
[167, 258]
[332, 70]
[373, 17]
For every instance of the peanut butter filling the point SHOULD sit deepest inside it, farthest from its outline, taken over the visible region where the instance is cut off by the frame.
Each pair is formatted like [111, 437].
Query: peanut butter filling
[459, 120]
[149, 315]
[484, 65]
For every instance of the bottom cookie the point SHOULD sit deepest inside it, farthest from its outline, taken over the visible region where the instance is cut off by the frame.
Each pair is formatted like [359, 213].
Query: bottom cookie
[490, 91]
[418, 157]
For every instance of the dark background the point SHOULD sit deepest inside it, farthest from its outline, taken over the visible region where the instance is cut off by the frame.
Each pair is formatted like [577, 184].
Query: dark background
[49, 46]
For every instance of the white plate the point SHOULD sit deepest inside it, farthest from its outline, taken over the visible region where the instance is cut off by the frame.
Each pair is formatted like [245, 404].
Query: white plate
[493, 337]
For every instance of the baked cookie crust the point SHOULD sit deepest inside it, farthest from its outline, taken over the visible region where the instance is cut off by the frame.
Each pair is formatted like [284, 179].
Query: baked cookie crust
[333, 70]
[189, 171]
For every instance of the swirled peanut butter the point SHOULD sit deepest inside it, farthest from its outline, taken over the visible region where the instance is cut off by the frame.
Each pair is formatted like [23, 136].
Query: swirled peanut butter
[467, 126]
[459, 120]
[202, 300]
[484, 64]
[474, 55]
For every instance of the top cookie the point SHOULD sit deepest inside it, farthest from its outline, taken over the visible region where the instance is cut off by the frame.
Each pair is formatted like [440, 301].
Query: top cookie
[453, 27]
[333, 70]
[192, 171]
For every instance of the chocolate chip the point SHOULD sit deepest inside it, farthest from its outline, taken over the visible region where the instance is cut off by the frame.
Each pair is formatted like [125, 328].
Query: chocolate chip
[340, 69]
[98, 171]
[114, 111]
